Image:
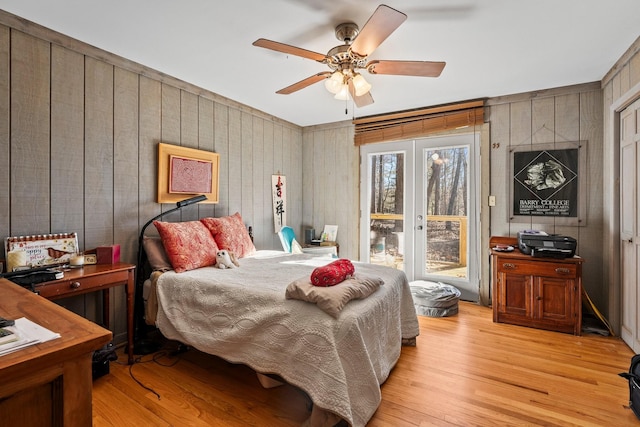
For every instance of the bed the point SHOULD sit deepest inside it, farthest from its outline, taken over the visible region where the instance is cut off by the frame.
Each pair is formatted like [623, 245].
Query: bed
[338, 352]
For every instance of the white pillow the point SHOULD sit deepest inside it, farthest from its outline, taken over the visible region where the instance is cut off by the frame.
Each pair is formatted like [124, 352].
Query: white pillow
[295, 247]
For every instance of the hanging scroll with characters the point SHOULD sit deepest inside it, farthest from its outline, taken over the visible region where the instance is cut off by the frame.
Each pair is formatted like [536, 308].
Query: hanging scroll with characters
[278, 190]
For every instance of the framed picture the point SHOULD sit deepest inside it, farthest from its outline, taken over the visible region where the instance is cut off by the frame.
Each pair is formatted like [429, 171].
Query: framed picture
[185, 172]
[547, 183]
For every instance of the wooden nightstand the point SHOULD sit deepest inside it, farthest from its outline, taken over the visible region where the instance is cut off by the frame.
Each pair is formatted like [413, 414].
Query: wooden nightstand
[93, 278]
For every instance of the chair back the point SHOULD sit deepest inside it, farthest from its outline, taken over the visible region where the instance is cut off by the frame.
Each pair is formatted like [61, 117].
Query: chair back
[286, 235]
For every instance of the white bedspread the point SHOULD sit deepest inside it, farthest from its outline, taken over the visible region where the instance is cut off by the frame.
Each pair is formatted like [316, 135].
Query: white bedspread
[242, 316]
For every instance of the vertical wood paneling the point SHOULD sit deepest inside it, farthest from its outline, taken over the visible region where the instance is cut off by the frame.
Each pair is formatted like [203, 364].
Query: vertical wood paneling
[99, 163]
[189, 118]
[542, 121]
[308, 163]
[624, 79]
[634, 70]
[206, 141]
[319, 187]
[246, 166]
[344, 185]
[125, 152]
[499, 118]
[30, 133]
[295, 177]
[330, 179]
[150, 133]
[171, 134]
[567, 117]
[125, 183]
[267, 164]
[520, 123]
[235, 162]
[222, 132]
[590, 242]
[67, 141]
[5, 165]
[258, 222]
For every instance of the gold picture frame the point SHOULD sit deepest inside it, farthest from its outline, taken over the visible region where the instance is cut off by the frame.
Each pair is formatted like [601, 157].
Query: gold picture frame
[186, 170]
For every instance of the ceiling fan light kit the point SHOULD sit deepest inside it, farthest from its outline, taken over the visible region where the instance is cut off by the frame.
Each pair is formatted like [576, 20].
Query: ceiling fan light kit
[345, 60]
[335, 82]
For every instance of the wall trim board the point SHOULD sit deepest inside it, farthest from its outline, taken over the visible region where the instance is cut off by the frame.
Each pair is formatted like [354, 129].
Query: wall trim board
[543, 93]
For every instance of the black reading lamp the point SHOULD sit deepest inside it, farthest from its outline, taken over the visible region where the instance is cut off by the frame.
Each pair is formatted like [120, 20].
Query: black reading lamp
[142, 345]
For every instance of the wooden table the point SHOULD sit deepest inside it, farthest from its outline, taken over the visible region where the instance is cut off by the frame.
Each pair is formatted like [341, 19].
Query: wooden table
[93, 278]
[48, 384]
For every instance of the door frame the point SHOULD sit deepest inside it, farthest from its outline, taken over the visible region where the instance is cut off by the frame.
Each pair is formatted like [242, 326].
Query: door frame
[484, 146]
[611, 198]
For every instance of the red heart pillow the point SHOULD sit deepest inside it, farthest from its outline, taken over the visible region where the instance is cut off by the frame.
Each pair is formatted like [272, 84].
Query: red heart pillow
[332, 274]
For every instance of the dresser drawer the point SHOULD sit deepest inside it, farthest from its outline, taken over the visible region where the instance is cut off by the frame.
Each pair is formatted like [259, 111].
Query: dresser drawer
[75, 286]
[546, 269]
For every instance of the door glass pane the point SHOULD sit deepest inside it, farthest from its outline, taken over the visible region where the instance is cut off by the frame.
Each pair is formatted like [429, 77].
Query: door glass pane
[446, 200]
[386, 209]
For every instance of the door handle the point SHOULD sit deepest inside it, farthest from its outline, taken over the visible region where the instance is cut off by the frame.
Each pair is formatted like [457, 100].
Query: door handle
[419, 227]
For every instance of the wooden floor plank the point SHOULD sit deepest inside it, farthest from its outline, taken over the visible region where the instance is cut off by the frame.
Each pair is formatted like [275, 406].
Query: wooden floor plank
[465, 370]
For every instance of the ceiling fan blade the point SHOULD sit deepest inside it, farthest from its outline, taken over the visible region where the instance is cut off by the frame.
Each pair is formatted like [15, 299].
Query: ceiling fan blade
[380, 25]
[304, 83]
[406, 68]
[292, 50]
[362, 100]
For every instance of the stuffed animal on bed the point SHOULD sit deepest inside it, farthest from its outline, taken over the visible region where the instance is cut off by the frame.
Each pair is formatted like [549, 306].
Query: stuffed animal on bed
[226, 259]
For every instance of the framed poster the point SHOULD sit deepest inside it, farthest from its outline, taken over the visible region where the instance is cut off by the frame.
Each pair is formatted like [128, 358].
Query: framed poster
[184, 172]
[279, 195]
[547, 182]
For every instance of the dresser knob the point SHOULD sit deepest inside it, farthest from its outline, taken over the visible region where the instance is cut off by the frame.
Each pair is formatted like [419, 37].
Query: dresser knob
[509, 265]
[563, 271]
[75, 285]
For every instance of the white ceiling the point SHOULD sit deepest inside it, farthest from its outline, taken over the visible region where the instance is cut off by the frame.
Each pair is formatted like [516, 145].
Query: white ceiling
[492, 47]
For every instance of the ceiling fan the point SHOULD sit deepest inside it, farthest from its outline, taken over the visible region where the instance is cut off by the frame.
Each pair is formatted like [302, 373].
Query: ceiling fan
[345, 60]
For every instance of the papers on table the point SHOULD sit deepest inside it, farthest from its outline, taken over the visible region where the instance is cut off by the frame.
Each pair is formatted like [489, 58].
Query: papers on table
[29, 333]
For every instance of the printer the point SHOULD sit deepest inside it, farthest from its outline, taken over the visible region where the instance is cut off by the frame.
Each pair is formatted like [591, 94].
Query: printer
[540, 244]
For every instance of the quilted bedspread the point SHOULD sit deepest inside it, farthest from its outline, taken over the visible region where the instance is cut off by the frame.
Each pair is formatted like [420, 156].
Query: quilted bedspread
[242, 315]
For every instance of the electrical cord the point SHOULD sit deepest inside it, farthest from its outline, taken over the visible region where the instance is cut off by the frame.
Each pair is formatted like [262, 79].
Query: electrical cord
[157, 358]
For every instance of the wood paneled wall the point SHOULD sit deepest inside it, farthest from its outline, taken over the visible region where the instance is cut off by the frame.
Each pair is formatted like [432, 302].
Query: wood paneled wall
[552, 116]
[331, 189]
[79, 130]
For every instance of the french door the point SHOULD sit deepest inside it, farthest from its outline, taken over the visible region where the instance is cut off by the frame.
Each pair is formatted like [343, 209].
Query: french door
[419, 213]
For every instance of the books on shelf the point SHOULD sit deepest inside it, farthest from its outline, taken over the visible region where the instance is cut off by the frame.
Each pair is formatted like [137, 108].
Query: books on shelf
[24, 333]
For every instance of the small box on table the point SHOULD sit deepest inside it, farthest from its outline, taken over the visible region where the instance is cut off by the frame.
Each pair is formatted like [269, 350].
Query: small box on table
[108, 254]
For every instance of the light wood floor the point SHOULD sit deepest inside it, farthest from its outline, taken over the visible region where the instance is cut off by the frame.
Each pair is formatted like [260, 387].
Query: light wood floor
[464, 371]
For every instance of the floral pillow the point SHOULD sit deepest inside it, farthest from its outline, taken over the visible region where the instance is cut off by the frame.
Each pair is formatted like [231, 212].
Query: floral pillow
[230, 233]
[188, 245]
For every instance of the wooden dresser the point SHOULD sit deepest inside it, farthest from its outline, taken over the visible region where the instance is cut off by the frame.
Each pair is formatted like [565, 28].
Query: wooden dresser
[542, 293]
[48, 384]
